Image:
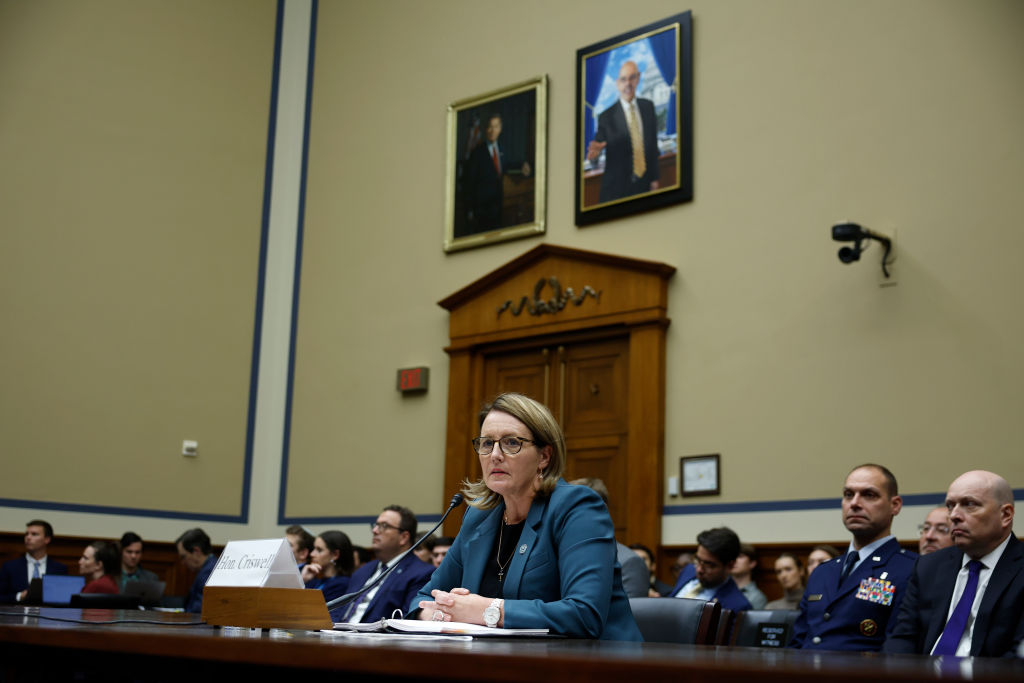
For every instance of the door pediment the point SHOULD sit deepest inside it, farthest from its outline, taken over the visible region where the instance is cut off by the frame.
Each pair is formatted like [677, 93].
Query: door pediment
[552, 289]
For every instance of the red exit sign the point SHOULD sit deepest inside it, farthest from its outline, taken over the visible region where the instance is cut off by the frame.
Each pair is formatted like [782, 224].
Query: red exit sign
[413, 379]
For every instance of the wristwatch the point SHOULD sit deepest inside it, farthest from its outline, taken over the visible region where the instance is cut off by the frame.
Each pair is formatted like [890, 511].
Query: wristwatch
[492, 615]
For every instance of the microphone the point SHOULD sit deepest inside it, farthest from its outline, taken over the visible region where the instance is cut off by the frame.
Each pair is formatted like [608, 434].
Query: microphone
[349, 597]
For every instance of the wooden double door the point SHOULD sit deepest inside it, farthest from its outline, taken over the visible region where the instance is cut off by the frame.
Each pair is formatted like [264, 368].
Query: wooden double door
[585, 384]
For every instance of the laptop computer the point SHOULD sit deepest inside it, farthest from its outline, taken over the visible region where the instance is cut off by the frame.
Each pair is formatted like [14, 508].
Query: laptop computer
[148, 592]
[57, 589]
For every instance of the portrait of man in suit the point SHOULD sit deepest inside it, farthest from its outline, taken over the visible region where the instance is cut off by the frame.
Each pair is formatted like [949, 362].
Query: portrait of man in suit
[634, 144]
[627, 132]
[496, 166]
[484, 178]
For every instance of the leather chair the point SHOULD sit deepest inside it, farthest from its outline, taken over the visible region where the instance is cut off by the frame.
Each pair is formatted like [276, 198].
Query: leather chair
[725, 625]
[747, 630]
[676, 620]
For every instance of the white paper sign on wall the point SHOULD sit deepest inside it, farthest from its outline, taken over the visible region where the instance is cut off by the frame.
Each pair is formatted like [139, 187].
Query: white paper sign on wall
[262, 563]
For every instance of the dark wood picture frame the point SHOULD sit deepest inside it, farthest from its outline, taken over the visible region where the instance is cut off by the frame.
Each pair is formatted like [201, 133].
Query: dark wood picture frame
[607, 186]
[487, 203]
[694, 468]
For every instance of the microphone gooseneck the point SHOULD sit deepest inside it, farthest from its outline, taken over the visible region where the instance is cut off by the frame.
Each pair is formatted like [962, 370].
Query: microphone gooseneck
[349, 597]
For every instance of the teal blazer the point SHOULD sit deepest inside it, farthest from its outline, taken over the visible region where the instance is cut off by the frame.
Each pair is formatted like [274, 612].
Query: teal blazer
[563, 575]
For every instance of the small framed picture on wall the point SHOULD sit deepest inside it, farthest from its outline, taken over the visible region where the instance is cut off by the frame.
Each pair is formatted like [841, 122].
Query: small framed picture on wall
[701, 475]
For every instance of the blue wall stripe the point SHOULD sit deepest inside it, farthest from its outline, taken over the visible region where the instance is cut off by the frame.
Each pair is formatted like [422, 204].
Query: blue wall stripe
[114, 510]
[357, 519]
[300, 229]
[802, 504]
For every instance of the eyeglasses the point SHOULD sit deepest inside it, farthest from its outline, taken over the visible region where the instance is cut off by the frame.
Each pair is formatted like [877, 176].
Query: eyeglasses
[938, 528]
[384, 526]
[707, 564]
[510, 445]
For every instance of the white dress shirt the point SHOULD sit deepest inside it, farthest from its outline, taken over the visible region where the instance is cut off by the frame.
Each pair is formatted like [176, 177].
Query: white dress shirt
[866, 552]
[988, 563]
[367, 598]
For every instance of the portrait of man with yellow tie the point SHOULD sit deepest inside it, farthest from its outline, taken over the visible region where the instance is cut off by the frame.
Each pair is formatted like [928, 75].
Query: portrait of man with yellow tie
[627, 133]
[634, 141]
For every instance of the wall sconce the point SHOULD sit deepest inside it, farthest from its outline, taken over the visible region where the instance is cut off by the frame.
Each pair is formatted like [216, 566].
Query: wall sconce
[851, 232]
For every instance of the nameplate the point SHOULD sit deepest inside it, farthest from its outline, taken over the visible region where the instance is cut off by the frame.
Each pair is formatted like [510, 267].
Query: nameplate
[772, 635]
[259, 564]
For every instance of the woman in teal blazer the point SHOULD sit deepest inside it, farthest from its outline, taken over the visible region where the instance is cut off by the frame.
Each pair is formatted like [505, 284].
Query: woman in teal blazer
[533, 552]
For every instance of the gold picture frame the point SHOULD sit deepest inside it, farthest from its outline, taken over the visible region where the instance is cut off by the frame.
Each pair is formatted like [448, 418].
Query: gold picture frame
[495, 189]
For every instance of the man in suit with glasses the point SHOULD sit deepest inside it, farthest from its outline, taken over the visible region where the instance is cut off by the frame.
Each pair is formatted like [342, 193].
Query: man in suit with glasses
[393, 534]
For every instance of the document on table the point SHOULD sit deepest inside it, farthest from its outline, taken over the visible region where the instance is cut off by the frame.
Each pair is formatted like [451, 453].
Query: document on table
[444, 628]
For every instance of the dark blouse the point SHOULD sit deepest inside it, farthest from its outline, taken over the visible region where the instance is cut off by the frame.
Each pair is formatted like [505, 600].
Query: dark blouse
[504, 549]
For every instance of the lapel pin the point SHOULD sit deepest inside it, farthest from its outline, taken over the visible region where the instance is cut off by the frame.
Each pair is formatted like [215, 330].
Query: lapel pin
[876, 559]
[522, 549]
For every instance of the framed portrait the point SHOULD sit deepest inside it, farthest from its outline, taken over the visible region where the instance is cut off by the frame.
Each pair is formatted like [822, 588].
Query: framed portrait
[634, 113]
[496, 170]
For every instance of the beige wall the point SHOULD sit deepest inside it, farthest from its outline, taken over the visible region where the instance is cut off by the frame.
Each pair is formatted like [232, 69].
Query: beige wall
[133, 143]
[901, 116]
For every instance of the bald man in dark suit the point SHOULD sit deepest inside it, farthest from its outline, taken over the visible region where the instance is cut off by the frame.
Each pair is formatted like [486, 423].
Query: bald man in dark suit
[968, 600]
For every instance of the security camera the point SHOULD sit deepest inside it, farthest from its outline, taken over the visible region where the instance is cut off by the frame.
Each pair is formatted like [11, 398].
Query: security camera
[852, 232]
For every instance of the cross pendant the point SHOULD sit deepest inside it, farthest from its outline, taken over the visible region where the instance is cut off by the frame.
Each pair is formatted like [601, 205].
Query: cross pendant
[501, 575]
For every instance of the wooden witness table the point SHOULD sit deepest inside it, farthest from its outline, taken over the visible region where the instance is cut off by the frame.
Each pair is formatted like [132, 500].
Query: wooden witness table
[37, 649]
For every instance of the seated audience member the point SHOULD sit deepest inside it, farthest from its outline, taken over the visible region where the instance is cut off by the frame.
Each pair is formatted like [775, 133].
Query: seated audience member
[360, 556]
[717, 550]
[657, 588]
[789, 570]
[392, 537]
[301, 542]
[683, 560]
[851, 604]
[330, 564]
[440, 549]
[533, 551]
[16, 574]
[968, 600]
[425, 551]
[742, 572]
[131, 558]
[820, 554]
[99, 564]
[196, 554]
[635, 577]
[934, 532]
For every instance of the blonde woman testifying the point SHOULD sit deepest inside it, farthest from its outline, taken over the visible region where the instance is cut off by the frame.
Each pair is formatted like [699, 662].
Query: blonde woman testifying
[533, 551]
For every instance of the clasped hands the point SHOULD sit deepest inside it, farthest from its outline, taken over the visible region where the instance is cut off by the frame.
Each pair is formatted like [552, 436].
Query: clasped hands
[456, 605]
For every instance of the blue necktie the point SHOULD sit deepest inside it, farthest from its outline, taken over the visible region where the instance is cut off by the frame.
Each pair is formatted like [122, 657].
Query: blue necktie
[954, 631]
[851, 560]
[35, 570]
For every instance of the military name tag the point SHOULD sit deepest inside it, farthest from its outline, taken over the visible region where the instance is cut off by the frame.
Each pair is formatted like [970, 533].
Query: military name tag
[877, 591]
